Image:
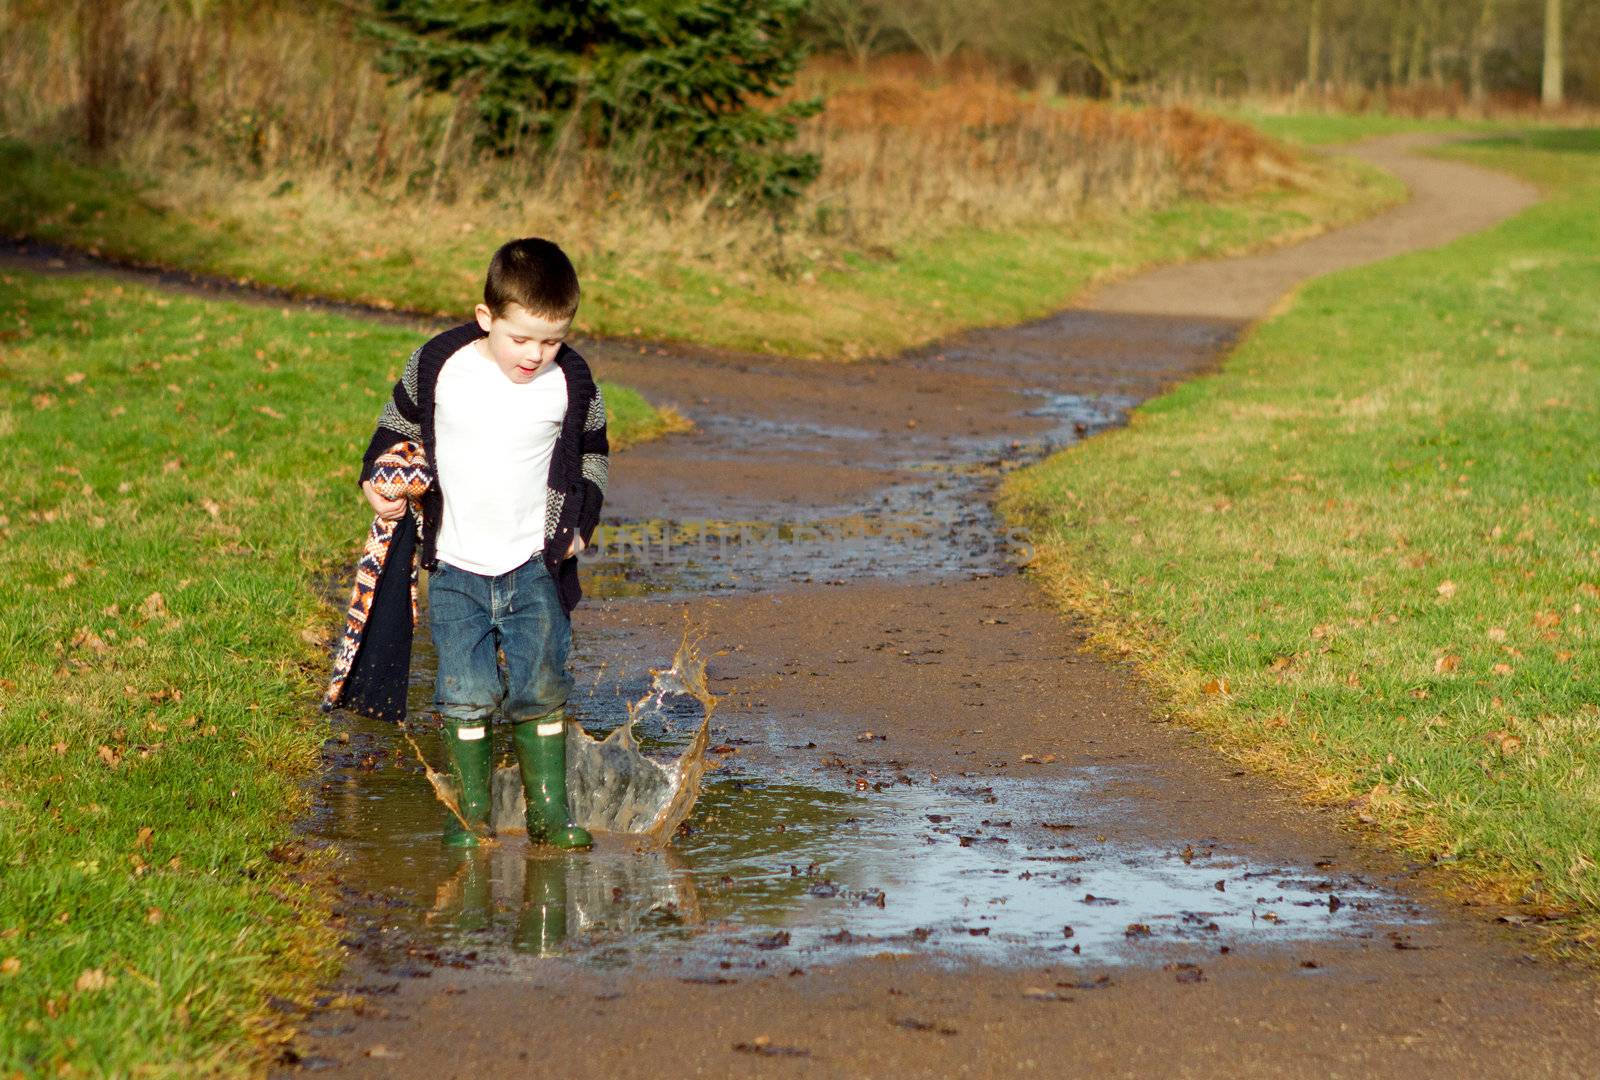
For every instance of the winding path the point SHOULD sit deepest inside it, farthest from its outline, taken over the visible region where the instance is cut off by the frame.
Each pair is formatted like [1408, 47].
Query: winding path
[966, 668]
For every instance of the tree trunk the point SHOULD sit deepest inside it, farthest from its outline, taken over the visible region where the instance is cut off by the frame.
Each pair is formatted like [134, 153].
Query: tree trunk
[1418, 46]
[1551, 95]
[1482, 38]
[1314, 46]
[1397, 47]
[100, 54]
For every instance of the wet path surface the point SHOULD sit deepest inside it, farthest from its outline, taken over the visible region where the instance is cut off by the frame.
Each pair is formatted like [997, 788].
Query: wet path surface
[925, 785]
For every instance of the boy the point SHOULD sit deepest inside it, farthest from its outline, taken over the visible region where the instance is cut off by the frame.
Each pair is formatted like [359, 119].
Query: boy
[514, 428]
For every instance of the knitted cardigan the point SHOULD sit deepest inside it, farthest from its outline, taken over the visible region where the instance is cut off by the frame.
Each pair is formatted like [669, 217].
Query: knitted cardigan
[576, 485]
[574, 490]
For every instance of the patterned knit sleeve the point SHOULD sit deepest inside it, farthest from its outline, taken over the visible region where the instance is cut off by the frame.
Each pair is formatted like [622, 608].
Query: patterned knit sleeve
[401, 418]
[594, 465]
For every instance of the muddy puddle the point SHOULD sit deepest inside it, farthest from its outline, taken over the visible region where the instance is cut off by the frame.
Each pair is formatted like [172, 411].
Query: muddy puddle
[935, 524]
[792, 858]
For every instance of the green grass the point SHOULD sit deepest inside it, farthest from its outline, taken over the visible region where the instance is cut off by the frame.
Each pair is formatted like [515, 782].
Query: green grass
[1366, 554]
[1331, 129]
[873, 305]
[182, 491]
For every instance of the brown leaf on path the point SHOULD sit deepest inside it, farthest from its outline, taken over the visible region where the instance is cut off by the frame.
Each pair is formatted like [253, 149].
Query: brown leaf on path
[1039, 993]
[763, 1044]
[911, 1023]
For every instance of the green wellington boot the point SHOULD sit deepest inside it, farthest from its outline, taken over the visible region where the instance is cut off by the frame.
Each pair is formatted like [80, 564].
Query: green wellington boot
[542, 756]
[468, 754]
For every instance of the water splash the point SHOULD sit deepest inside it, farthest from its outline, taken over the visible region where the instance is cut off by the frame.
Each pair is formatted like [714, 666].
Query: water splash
[612, 785]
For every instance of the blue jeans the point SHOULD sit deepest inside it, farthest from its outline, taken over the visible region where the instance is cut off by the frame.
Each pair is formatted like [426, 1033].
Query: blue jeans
[474, 619]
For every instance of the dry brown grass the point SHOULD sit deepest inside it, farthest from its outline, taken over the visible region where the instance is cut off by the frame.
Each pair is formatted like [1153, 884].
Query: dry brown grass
[278, 109]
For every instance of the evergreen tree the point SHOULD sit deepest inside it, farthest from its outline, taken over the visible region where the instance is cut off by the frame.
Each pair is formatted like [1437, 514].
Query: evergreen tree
[667, 84]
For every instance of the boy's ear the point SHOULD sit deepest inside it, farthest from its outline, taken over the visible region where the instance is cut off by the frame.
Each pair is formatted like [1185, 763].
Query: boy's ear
[485, 317]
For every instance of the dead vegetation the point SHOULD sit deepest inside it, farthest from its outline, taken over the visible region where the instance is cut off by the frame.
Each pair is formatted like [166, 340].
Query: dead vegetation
[277, 109]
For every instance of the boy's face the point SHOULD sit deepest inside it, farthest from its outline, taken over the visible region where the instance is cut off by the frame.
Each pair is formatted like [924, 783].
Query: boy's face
[520, 342]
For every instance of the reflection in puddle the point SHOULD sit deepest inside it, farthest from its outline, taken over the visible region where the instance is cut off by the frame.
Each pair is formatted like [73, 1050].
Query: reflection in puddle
[774, 868]
[769, 869]
[937, 523]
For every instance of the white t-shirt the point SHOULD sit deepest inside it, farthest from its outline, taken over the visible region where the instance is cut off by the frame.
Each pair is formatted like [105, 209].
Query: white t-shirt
[493, 439]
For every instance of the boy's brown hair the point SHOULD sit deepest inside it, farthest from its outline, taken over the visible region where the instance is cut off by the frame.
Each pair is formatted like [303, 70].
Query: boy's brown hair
[534, 274]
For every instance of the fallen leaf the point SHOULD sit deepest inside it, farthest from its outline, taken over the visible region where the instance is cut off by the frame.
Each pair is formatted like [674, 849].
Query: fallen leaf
[1504, 741]
[1497, 633]
[268, 410]
[1039, 993]
[76, 377]
[154, 606]
[1446, 664]
[1446, 589]
[90, 980]
[10, 965]
[1215, 686]
[763, 1044]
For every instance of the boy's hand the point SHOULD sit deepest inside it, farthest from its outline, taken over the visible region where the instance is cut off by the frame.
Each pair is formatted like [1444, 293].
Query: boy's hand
[576, 546]
[387, 509]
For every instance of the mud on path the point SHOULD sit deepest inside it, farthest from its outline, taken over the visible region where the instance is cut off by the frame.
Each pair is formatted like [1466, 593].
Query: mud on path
[977, 785]
[886, 645]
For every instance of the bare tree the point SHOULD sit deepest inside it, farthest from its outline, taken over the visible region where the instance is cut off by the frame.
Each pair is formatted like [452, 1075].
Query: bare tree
[937, 28]
[855, 26]
[1314, 45]
[1551, 90]
[1128, 40]
[1482, 40]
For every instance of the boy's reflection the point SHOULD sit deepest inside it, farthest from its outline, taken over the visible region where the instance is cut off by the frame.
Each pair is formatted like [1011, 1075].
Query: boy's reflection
[539, 896]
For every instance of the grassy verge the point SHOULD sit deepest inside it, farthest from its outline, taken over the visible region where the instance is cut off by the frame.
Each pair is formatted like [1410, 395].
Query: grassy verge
[1330, 129]
[862, 305]
[182, 479]
[1366, 554]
